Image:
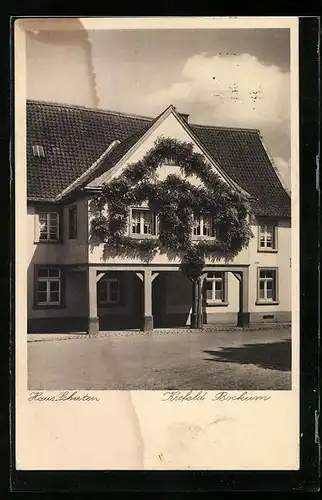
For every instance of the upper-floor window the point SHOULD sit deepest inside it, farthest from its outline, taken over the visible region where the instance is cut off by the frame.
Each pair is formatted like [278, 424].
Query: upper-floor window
[47, 226]
[48, 286]
[203, 225]
[72, 221]
[143, 222]
[267, 237]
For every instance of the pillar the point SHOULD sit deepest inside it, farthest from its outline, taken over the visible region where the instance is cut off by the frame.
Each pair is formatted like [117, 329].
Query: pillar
[147, 303]
[147, 278]
[93, 321]
[197, 302]
[243, 315]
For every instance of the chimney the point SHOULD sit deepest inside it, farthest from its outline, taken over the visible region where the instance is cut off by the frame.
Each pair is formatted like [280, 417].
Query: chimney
[185, 116]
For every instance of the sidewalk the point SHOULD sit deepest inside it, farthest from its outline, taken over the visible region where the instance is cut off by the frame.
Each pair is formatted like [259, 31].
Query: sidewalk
[41, 337]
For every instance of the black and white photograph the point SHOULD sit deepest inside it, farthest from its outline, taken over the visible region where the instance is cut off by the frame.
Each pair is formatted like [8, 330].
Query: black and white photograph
[159, 209]
[157, 243]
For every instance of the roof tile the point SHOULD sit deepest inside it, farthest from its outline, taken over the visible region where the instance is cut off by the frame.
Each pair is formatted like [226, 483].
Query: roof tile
[74, 138]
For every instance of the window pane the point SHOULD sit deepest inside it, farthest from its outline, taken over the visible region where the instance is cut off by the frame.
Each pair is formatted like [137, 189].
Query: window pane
[196, 225]
[266, 273]
[53, 235]
[53, 273]
[114, 285]
[41, 297]
[209, 293]
[53, 218]
[42, 218]
[114, 296]
[147, 222]
[54, 296]
[218, 284]
[269, 293]
[218, 274]
[218, 294]
[261, 293]
[54, 286]
[135, 221]
[207, 224]
[43, 273]
[270, 284]
[262, 284]
[42, 286]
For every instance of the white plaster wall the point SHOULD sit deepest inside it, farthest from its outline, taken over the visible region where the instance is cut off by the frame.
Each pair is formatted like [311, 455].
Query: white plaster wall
[280, 259]
[69, 251]
[76, 250]
[169, 128]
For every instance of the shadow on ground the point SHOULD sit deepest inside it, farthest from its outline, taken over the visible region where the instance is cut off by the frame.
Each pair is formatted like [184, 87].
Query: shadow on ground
[275, 356]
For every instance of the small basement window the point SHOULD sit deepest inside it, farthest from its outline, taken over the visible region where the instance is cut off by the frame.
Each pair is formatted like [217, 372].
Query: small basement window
[38, 151]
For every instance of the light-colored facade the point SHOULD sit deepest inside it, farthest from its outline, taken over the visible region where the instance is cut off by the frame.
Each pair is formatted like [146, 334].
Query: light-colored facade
[74, 287]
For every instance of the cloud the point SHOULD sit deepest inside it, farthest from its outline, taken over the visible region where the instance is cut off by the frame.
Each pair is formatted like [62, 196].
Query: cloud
[284, 168]
[232, 90]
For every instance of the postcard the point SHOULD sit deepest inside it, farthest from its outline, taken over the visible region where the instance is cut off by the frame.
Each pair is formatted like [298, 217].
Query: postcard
[157, 243]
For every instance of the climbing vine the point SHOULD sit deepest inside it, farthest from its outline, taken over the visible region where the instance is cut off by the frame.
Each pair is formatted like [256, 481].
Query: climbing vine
[175, 199]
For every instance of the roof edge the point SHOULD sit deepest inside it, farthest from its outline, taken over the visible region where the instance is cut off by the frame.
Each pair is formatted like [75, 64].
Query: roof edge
[87, 108]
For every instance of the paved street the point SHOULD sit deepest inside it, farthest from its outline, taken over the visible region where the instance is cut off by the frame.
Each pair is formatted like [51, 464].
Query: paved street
[171, 359]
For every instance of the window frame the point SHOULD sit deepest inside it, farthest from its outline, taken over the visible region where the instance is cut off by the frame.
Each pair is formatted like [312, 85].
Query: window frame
[104, 281]
[266, 223]
[143, 235]
[265, 300]
[214, 279]
[213, 228]
[60, 279]
[47, 211]
[72, 235]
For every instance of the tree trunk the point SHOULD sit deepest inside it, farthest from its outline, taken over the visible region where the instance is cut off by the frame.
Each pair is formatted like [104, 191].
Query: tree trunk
[196, 312]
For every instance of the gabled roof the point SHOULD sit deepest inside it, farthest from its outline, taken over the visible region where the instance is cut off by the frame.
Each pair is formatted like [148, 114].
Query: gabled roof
[75, 140]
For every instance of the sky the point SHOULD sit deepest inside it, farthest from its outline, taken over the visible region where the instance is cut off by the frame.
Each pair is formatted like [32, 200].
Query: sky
[226, 77]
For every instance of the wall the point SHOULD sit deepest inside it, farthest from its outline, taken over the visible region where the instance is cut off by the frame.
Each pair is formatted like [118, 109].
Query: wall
[73, 251]
[281, 260]
[170, 127]
[69, 318]
[179, 297]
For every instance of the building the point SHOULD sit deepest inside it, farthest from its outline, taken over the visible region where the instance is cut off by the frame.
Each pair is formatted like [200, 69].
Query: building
[72, 286]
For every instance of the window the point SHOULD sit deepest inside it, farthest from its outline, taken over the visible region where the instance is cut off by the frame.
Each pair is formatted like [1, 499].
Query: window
[267, 285]
[267, 236]
[143, 222]
[48, 287]
[47, 226]
[72, 217]
[38, 151]
[108, 291]
[216, 287]
[203, 225]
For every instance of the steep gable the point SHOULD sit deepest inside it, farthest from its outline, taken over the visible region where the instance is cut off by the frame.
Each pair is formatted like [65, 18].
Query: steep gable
[74, 138]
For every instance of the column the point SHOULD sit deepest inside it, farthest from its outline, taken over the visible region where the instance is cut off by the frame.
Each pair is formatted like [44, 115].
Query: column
[147, 278]
[243, 315]
[93, 321]
[197, 302]
[147, 303]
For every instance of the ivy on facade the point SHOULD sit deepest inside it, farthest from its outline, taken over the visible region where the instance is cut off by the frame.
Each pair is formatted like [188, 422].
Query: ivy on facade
[175, 200]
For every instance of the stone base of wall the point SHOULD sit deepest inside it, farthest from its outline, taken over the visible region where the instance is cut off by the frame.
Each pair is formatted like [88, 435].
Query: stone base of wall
[115, 322]
[57, 325]
[270, 317]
